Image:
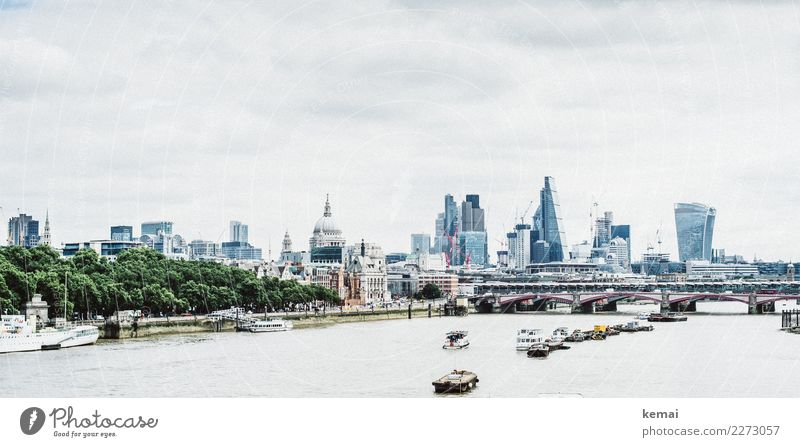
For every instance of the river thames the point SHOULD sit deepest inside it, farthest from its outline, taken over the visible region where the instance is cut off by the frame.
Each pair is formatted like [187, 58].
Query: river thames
[722, 354]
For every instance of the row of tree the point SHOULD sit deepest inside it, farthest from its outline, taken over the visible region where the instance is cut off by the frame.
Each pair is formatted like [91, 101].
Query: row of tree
[141, 279]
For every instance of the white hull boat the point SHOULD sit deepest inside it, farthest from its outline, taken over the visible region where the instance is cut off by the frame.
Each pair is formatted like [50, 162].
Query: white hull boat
[274, 325]
[526, 338]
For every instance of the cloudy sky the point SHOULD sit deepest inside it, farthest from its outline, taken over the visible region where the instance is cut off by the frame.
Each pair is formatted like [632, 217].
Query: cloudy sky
[201, 112]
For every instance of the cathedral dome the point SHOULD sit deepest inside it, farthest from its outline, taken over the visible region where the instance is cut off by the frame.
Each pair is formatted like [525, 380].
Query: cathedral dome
[327, 224]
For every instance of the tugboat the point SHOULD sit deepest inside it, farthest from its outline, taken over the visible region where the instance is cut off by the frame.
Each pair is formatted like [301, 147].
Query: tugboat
[527, 338]
[539, 350]
[457, 381]
[667, 317]
[456, 340]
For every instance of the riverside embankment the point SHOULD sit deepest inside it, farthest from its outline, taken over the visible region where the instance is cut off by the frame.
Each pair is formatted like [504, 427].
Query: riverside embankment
[148, 327]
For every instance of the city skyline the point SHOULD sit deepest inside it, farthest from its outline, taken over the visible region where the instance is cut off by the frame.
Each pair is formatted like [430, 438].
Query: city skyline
[633, 108]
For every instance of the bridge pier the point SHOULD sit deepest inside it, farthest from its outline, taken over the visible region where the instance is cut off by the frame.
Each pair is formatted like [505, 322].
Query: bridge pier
[578, 307]
[484, 307]
[752, 307]
[665, 304]
[508, 308]
[609, 307]
[686, 306]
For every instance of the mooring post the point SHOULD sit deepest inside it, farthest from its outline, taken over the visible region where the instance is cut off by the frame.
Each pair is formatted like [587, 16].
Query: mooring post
[409, 311]
[429, 310]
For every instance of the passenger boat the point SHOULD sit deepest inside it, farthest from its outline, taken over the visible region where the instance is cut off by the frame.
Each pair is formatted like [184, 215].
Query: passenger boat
[539, 350]
[643, 315]
[457, 381]
[456, 340]
[528, 337]
[667, 317]
[272, 325]
[19, 335]
[560, 334]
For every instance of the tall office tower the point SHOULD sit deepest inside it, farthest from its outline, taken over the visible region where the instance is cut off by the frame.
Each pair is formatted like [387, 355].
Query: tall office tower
[552, 226]
[602, 229]
[511, 241]
[522, 249]
[451, 227]
[624, 232]
[420, 243]
[694, 224]
[122, 233]
[46, 236]
[473, 238]
[238, 232]
[438, 237]
[23, 231]
[474, 250]
[618, 253]
[472, 216]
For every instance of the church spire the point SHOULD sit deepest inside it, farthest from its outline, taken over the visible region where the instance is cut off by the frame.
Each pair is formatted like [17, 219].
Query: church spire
[47, 228]
[327, 212]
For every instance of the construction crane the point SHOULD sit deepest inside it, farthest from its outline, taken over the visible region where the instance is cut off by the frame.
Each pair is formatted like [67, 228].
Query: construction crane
[525, 213]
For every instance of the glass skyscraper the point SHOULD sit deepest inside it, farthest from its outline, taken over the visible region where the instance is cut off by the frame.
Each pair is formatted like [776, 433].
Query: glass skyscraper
[694, 223]
[552, 226]
[420, 243]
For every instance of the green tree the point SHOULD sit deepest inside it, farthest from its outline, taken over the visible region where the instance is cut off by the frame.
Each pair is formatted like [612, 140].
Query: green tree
[431, 292]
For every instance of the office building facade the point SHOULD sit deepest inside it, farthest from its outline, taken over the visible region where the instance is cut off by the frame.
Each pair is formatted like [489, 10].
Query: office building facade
[122, 233]
[694, 224]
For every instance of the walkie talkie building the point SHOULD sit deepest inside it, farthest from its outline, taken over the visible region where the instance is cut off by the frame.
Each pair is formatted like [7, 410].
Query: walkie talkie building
[694, 223]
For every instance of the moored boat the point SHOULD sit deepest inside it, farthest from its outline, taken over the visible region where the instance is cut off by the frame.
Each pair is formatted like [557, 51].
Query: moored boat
[528, 337]
[539, 350]
[271, 325]
[19, 335]
[457, 381]
[456, 340]
[667, 317]
[575, 337]
[560, 334]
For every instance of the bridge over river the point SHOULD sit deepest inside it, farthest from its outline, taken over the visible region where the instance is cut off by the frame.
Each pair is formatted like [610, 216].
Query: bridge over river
[585, 297]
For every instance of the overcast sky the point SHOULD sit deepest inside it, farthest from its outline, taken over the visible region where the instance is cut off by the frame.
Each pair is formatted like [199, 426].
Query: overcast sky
[201, 112]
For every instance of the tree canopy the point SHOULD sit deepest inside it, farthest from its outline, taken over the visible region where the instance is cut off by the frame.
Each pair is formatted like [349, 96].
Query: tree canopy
[143, 279]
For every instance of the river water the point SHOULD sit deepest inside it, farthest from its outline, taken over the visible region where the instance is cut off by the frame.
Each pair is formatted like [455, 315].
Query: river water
[726, 353]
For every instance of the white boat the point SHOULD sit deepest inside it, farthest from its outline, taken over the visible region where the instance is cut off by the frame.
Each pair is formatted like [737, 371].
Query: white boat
[456, 340]
[643, 315]
[559, 334]
[272, 325]
[528, 337]
[19, 335]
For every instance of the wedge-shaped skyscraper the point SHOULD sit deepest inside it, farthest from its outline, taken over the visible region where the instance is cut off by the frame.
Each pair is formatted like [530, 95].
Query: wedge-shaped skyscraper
[694, 223]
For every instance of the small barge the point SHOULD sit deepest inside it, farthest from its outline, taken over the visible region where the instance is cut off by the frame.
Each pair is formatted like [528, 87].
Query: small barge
[539, 350]
[457, 381]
